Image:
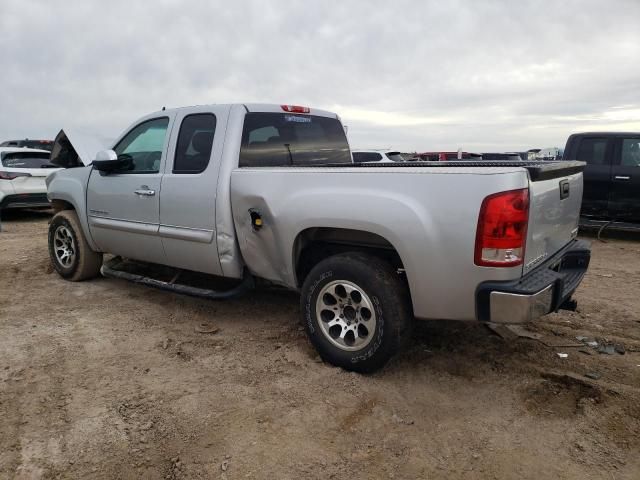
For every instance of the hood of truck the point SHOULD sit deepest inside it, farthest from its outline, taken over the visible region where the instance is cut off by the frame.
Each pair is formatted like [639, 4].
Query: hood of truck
[74, 148]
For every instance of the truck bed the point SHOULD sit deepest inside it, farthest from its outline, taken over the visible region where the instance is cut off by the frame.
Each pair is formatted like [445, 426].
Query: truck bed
[428, 212]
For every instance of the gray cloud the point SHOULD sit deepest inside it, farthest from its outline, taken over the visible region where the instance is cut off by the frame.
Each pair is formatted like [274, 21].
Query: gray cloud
[415, 75]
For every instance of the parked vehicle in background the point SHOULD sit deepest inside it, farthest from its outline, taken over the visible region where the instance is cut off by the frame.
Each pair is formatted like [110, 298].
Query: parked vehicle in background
[552, 153]
[611, 176]
[22, 177]
[447, 156]
[532, 152]
[27, 143]
[508, 157]
[271, 192]
[376, 156]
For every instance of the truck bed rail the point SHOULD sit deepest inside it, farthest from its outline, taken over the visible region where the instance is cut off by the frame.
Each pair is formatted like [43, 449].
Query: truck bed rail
[538, 170]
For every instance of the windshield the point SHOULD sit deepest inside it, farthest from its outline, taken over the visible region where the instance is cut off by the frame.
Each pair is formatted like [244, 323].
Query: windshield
[274, 139]
[25, 160]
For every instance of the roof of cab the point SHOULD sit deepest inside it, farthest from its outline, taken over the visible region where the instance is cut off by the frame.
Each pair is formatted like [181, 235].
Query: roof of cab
[250, 107]
[607, 134]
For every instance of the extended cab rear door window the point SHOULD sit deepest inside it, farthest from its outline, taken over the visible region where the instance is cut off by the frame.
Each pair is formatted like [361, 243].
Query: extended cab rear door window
[276, 139]
[195, 142]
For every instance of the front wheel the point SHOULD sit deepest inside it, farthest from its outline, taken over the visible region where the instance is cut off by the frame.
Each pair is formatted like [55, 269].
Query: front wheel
[69, 251]
[356, 311]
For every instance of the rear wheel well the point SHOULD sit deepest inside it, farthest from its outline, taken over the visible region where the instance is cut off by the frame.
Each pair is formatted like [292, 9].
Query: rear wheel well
[60, 205]
[315, 244]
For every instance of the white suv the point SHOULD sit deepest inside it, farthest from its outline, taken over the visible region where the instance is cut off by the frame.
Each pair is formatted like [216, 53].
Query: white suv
[376, 156]
[22, 177]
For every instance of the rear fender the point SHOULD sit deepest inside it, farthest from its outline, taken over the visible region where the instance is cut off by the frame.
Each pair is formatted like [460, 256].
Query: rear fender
[271, 252]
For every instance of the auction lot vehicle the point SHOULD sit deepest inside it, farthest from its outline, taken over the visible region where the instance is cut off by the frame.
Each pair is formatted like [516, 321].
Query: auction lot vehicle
[271, 192]
[611, 175]
[22, 177]
[376, 156]
[501, 156]
[27, 143]
[447, 156]
[550, 153]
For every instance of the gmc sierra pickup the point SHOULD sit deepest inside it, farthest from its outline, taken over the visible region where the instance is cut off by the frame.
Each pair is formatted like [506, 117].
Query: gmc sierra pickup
[271, 192]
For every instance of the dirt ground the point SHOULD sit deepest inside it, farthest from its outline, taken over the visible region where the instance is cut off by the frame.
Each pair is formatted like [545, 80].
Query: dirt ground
[106, 379]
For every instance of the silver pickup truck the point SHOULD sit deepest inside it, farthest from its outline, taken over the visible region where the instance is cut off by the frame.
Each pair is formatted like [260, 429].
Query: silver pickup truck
[270, 192]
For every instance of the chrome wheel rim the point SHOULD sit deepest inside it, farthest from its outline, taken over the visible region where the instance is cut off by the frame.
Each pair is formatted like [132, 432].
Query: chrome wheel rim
[346, 315]
[64, 246]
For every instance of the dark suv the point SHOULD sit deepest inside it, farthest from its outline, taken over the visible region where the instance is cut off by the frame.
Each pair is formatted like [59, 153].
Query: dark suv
[612, 174]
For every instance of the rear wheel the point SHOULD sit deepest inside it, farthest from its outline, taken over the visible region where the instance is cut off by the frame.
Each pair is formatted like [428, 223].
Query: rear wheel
[356, 311]
[69, 251]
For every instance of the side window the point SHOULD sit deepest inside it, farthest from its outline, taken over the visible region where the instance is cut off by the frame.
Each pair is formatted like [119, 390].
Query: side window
[630, 152]
[361, 157]
[395, 156]
[593, 151]
[195, 142]
[143, 146]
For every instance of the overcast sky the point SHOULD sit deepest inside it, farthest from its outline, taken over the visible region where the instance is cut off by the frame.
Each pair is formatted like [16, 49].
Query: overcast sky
[413, 75]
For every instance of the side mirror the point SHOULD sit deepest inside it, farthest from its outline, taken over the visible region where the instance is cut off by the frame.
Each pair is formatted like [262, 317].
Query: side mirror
[108, 161]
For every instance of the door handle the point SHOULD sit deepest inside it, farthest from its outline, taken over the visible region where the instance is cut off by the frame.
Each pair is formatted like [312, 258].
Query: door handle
[145, 192]
[622, 177]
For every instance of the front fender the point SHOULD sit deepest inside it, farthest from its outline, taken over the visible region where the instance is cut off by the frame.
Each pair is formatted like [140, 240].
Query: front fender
[70, 185]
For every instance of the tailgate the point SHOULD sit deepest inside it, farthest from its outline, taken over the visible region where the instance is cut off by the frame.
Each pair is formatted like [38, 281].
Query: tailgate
[554, 211]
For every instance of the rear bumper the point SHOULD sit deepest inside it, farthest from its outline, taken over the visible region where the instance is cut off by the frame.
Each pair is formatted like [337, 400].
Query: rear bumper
[25, 200]
[541, 291]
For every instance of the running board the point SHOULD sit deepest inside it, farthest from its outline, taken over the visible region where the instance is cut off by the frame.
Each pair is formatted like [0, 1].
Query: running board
[109, 269]
[590, 223]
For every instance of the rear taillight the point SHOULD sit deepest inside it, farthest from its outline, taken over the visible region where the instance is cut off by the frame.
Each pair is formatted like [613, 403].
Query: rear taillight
[12, 175]
[502, 229]
[295, 109]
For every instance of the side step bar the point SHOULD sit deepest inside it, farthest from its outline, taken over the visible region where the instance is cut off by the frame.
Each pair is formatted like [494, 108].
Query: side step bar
[589, 223]
[109, 270]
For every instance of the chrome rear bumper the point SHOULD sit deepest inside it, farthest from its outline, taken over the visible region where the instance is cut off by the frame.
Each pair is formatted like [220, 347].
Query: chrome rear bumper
[517, 308]
[541, 291]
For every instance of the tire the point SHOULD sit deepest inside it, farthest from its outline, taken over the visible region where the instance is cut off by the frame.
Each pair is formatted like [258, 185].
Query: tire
[380, 313]
[69, 251]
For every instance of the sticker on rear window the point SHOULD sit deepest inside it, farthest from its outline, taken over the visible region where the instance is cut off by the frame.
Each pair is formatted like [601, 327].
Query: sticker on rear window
[293, 118]
[14, 164]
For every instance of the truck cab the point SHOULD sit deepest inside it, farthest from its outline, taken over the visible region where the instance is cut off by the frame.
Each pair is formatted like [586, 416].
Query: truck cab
[611, 175]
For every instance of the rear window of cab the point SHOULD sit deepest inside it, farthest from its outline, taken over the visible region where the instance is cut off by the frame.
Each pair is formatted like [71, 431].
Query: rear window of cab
[278, 139]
